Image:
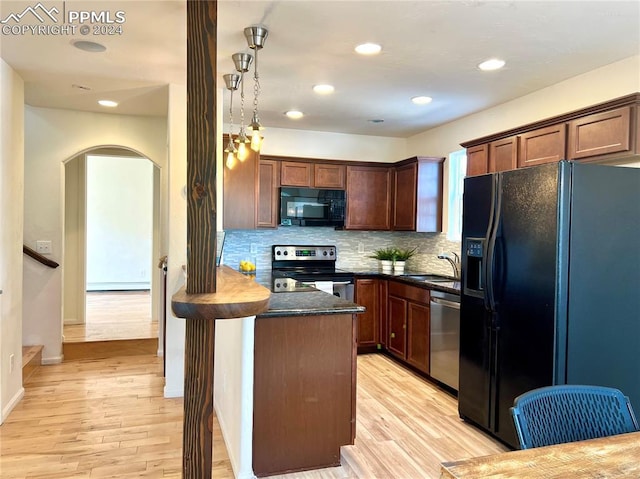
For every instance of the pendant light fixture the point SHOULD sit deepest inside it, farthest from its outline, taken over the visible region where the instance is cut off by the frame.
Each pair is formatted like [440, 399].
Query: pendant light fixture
[256, 36]
[231, 80]
[242, 61]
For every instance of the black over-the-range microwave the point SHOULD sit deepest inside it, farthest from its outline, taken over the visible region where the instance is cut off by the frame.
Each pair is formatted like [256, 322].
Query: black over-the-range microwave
[312, 207]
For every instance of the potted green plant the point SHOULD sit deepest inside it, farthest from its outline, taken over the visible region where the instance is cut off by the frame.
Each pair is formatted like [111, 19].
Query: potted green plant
[400, 258]
[386, 257]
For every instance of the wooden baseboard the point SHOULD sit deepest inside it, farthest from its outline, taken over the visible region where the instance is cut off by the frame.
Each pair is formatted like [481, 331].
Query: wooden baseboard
[109, 349]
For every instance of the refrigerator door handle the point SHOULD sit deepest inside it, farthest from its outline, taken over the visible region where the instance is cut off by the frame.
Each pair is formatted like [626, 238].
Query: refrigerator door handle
[496, 212]
[485, 272]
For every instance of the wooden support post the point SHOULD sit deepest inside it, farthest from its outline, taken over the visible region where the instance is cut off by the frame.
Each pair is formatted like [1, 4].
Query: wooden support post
[197, 442]
[197, 452]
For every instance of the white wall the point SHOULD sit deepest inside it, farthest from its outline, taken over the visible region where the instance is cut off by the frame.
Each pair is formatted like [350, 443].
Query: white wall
[177, 250]
[53, 137]
[11, 201]
[119, 222]
[597, 86]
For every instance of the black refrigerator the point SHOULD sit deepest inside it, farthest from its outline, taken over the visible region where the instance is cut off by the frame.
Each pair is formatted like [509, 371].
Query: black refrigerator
[550, 286]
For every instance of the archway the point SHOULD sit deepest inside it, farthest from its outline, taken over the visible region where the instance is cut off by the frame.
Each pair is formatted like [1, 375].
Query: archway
[111, 244]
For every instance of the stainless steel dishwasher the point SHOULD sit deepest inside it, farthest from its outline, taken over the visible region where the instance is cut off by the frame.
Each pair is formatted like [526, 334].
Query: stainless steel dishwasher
[445, 338]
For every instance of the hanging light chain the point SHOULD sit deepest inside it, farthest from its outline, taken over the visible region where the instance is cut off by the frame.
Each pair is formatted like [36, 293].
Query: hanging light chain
[256, 84]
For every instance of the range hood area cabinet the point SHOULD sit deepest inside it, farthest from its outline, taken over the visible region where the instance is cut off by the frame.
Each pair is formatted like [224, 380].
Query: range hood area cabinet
[313, 174]
[599, 133]
[417, 195]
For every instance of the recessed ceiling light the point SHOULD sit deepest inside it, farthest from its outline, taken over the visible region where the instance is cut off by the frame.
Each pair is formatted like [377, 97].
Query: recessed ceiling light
[376, 120]
[492, 64]
[421, 100]
[108, 103]
[294, 114]
[89, 46]
[323, 89]
[368, 49]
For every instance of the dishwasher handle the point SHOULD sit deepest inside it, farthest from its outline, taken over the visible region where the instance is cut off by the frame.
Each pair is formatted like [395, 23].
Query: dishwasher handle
[444, 302]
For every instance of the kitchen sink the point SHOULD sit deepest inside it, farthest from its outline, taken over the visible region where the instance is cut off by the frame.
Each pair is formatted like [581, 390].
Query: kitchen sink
[429, 278]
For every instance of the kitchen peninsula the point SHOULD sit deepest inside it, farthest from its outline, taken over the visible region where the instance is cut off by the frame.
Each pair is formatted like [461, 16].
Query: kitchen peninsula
[285, 382]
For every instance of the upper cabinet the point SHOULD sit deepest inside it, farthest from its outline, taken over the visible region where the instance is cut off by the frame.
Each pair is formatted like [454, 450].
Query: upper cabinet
[503, 154]
[312, 175]
[417, 195]
[240, 193]
[600, 132]
[544, 145]
[478, 160]
[368, 198]
[268, 197]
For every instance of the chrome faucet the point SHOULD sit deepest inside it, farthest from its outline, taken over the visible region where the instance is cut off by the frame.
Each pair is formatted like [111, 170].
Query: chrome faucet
[454, 262]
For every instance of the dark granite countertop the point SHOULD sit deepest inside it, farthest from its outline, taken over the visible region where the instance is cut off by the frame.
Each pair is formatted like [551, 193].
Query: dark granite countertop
[452, 286]
[307, 300]
[303, 301]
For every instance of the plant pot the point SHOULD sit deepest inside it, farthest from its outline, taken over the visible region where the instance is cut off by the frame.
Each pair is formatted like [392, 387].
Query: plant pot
[398, 267]
[386, 266]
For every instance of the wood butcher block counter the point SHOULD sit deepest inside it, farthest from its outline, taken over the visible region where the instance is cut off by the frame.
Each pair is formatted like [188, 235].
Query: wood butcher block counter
[610, 457]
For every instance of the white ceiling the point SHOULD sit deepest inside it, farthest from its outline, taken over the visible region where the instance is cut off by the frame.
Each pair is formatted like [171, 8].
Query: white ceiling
[429, 48]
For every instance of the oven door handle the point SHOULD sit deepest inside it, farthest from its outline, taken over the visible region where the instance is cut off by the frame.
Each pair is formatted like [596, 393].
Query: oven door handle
[334, 282]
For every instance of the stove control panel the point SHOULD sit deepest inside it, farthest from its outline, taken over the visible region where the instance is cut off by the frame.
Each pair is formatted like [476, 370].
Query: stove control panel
[304, 253]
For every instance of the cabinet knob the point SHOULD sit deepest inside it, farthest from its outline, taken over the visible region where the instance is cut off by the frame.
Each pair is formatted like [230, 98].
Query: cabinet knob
[393, 335]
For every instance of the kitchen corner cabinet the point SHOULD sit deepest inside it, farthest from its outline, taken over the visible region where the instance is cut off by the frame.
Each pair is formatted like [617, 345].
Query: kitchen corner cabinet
[312, 175]
[408, 324]
[417, 195]
[368, 198]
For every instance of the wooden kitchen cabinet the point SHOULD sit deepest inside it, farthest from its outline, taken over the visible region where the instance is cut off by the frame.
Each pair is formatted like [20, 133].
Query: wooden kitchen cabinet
[600, 134]
[544, 145]
[503, 154]
[417, 195]
[312, 175]
[478, 160]
[294, 173]
[329, 176]
[304, 392]
[240, 193]
[372, 324]
[268, 194]
[409, 319]
[368, 198]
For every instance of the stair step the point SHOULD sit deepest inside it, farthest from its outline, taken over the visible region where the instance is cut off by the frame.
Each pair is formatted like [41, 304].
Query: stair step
[31, 360]
[109, 349]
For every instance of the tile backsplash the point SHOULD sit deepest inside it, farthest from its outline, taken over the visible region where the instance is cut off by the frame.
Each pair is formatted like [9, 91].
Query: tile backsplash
[239, 244]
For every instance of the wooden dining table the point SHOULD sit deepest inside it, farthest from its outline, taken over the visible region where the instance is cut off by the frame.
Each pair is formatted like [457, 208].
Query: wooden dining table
[603, 458]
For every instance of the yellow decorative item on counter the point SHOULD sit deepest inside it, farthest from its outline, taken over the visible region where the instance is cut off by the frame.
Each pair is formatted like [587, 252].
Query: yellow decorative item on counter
[247, 266]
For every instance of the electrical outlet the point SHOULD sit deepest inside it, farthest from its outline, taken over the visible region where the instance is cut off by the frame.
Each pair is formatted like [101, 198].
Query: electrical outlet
[43, 247]
[360, 248]
[12, 363]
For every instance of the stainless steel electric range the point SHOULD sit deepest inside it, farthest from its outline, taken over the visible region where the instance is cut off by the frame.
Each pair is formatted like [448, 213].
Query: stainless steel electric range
[295, 265]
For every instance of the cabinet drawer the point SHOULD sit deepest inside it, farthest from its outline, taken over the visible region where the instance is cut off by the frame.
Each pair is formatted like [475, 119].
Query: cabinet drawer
[412, 293]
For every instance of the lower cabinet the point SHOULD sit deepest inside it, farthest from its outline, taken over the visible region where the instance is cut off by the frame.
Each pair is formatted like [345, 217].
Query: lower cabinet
[303, 425]
[408, 324]
[367, 295]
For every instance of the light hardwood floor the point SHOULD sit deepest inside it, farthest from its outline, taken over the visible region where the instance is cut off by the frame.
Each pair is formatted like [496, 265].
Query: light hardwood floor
[114, 315]
[107, 418]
